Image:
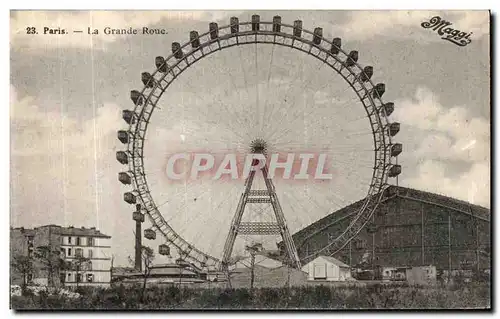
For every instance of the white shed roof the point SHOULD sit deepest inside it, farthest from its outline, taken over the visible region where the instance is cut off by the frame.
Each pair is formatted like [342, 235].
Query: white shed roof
[329, 259]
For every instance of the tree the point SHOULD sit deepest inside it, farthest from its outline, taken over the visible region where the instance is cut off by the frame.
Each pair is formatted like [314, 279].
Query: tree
[80, 265]
[147, 255]
[51, 261]
[253, 250]
[24, 265]
[232, 261]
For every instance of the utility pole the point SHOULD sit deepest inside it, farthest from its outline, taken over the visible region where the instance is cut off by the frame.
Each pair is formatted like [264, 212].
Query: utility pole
[422, 233]
[111, 268]
[252, 265]
[449, 245]
[253, 250]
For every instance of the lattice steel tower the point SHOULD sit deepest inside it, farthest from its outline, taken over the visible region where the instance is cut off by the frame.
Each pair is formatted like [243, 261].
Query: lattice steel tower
[260, 196]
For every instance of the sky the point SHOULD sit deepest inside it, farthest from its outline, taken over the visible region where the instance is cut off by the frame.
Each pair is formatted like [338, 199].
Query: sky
[67, 93]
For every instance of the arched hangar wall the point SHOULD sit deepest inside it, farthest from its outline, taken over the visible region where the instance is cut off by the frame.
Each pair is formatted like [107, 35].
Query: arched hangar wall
[409, 228]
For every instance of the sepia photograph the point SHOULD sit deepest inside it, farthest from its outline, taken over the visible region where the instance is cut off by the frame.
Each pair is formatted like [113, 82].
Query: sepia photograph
[250, 160]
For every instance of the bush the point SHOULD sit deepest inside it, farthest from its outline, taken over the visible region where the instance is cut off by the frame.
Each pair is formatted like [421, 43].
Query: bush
[377, 296]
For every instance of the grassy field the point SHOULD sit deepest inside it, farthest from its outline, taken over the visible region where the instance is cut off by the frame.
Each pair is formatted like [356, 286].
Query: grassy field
[476, 296]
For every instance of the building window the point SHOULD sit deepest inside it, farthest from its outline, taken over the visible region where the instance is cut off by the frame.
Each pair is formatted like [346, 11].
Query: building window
[63, 252]
[90, 277]
[69, 240]
[91, 253]
[79, 252]
[69, 277]
[29, 278]
[90, 241]
[69, 252]
[78, 241]
[89, 265]
[78, 277]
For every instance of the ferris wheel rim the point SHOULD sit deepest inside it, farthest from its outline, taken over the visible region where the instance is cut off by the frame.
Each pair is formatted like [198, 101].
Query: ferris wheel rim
[382, 160]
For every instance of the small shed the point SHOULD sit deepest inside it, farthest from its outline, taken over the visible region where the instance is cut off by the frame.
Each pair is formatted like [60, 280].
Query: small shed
[327, 268]
[391, 273]
[422, 275]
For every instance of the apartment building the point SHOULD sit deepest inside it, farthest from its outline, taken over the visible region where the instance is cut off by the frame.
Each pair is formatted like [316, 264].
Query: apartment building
[86, 252]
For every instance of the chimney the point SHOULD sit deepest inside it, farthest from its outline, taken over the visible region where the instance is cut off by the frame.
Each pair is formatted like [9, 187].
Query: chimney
[138, 242]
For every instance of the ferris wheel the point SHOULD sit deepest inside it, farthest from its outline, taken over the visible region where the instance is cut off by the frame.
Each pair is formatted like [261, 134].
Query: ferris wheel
[255, 87]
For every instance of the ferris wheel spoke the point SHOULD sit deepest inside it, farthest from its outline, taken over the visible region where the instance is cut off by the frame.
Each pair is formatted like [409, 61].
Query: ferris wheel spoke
[294, 103]
[184, 207]
[216, 238]
[292, 144]
[290, 210]
[290, 129]
[237, 114]
[340, 110]
[368, 164]
[244, 72]
[331, 144]
[305, 83]
[331, 197]
[327, 199]
[177, 194]
[269, 118]
[337, 107]
[267, 90]
[228, 128]
[304, 88]
[225, 199]
[278, 106]
[292, 207]
[291, 125]
[257, 106]
[211, 108]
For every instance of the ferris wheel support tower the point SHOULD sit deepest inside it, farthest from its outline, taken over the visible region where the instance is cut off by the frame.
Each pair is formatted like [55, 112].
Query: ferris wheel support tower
[280, 227]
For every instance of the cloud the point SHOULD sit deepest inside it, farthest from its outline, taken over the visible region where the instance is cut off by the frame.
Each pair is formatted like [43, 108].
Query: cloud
[40, 132]
[62, 168]
[472, 186]
[81, 20]
[364, 25]
[445, 137]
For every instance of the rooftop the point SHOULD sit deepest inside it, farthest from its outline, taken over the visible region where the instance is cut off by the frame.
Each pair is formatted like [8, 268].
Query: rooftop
[335, 261]
[25, 231]
[82, 231]
[398, 191]
[67, 231]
